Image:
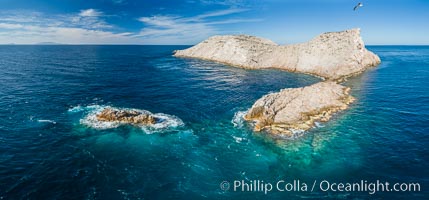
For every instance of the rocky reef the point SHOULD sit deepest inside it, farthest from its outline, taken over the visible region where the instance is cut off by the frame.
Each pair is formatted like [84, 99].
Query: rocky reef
[134, 117]
[298, 108]
[332, 55]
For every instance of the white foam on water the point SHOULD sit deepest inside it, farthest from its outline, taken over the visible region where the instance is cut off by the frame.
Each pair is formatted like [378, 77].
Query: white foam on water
[238, 139]
[238, 119]
[46, 121]
[77, 109]
[319, 125]
[165, 122]
[91, 121]
[297, 132]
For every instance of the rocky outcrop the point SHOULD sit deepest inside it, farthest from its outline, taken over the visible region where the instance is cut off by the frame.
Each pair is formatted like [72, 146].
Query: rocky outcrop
[134, 117]
[333, 55]
[298, 108]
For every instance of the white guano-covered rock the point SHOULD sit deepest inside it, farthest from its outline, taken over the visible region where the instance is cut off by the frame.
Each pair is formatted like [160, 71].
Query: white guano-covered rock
[332, 55]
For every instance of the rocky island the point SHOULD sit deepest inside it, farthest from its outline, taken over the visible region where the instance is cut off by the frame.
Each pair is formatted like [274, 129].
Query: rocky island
[298, 108]
[333, 56]
[134, 117]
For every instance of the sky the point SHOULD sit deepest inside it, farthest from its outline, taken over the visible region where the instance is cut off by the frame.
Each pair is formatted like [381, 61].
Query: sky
[382, 22]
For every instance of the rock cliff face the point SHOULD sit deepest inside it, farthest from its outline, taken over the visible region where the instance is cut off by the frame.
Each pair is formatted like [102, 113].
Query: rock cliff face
[298, 108]
[333, 55]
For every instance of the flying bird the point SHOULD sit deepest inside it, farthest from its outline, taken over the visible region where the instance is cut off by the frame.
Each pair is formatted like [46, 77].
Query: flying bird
[357, 6]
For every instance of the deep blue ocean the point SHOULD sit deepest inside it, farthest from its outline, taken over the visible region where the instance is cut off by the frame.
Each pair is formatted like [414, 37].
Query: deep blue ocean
[49, 151]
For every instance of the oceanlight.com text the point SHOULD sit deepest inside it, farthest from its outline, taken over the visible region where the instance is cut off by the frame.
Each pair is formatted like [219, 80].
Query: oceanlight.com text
[370, 187]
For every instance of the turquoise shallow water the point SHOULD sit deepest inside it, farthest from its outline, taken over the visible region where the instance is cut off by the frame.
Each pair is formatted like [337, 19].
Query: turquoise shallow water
[48, 152]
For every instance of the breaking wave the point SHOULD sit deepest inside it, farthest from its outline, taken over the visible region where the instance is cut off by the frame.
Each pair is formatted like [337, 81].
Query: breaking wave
[238, 119]
[46, 121]
[318, 124]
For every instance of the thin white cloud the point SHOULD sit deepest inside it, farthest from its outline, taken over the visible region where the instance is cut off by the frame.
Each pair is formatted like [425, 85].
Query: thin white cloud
[230, 3]
[179, 30]
[90, 13]
[163, 21]
[221, 13]
[84, 27]
[89, 27]
[118, 1]
[90, 18]
[25, 16]
[233, 21]
[10, 26]
[29, 34]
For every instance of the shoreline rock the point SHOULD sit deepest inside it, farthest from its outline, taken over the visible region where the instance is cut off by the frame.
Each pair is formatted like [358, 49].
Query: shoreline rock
[333, 55]
[298, 108]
